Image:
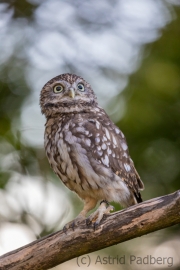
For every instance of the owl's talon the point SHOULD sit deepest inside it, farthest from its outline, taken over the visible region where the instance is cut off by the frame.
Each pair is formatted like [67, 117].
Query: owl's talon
[95, 225]
[88, 221]
[96, 217]
[65, 229]
[72, 224]
[109, 209]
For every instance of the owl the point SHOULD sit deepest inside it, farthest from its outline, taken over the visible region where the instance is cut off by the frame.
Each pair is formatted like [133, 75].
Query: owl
[86, 150]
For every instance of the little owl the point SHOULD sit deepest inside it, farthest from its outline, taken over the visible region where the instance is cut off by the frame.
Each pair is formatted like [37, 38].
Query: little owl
[86, 149]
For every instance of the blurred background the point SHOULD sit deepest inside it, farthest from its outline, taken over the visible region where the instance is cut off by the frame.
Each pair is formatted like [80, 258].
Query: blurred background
[129, 51]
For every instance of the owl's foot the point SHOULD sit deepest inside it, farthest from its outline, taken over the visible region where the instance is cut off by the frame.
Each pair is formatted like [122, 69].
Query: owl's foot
[72, 224]
[96, 217]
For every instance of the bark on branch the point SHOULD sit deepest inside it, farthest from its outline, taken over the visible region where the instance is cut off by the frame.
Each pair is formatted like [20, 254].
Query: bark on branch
[121, 226]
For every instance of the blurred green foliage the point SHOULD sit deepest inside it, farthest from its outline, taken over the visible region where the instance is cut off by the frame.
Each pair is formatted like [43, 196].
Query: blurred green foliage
[151, 122]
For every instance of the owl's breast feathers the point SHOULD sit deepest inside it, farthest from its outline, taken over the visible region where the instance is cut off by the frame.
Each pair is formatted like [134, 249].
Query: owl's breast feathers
[89, 154]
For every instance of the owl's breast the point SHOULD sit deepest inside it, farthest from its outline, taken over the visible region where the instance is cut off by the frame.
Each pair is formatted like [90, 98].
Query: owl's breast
[85, 154]
[65, 154]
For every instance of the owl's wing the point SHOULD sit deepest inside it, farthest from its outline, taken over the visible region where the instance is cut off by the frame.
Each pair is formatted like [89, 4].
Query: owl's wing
[109, 147]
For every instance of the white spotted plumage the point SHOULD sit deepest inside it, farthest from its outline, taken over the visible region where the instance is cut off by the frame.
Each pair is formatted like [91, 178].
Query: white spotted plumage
[84, 147]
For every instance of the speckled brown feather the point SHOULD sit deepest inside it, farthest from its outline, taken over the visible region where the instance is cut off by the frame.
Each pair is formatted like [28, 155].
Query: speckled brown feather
[84, 147]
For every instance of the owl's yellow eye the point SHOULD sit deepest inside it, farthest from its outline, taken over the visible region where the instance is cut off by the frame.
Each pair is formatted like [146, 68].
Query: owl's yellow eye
[58, 89]
[81, 87]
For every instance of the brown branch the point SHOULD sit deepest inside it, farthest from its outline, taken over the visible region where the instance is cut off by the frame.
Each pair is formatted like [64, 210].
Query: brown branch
[121, 226]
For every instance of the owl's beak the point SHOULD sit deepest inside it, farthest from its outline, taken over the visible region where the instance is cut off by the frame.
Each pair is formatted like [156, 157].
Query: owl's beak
[71, 92]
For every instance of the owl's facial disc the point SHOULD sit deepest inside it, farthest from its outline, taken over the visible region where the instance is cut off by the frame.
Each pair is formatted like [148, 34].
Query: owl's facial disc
[66, 93]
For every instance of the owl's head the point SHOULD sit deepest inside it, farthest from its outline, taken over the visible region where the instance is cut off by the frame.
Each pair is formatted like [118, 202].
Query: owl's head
[66, 93]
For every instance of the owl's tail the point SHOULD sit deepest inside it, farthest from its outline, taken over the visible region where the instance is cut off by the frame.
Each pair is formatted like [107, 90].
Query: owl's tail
[138, 197]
